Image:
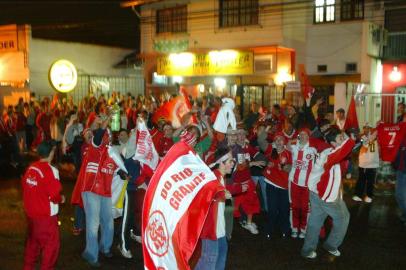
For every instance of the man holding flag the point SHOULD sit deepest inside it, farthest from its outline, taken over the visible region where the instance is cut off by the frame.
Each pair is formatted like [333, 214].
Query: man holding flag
[176, 206]
[214, 242]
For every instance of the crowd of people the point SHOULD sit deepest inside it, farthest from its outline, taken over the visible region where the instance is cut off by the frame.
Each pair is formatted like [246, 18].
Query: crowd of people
[285, 161]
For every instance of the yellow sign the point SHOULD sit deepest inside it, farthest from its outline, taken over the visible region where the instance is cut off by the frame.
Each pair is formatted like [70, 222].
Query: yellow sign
[227, 62]
[8, 38]
[63, 76]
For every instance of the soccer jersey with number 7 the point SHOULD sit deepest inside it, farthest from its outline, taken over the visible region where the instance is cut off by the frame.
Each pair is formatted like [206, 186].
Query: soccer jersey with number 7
[390, 137]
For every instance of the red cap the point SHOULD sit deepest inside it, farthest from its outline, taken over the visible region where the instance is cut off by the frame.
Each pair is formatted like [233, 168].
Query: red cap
[280, 134]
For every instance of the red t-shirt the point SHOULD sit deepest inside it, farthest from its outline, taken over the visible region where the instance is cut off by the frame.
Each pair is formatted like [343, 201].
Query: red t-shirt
[389, 138]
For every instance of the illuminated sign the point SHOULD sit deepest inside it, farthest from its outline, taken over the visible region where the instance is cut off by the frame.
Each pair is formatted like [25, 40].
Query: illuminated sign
[226, 62]
[63, 76]
[8, 38]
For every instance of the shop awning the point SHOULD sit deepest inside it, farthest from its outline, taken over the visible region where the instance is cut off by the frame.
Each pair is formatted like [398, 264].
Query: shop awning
[135, 3]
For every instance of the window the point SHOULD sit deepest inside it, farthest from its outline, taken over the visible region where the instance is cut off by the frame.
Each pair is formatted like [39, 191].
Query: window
[351, 67]
[321, 68]
[171, 20]
[352, 9]
[238, 12]
[324, 11]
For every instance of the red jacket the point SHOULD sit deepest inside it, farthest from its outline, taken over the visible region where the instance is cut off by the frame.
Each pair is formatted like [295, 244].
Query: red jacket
[163, 145]
[273, 173]
[41, 190]
[325, 178]
[210, 225]
[96, 173]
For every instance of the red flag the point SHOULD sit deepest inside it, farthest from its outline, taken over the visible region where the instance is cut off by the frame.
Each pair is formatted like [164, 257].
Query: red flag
[182, 91]
[54, 102]
[172, 111]
[175, 208]
[351, 121]
[307, 89]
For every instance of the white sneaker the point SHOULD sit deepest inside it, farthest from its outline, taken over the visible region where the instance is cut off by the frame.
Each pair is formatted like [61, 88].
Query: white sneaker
[312, 255]
[125, 253]
[302, 235]
[251, 228]
[367, 199]
[135, 237]
[336, 253]
[294, 234]
[356, 198]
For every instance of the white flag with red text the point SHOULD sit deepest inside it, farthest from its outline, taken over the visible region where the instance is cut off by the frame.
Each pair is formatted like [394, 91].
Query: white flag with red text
[175, 208]
[145, 151]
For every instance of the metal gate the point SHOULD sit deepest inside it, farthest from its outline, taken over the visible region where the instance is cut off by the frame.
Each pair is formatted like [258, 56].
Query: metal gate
[374, 107]
[133, 84]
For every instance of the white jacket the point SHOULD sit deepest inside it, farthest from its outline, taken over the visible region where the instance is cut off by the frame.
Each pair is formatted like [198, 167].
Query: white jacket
[225, 116]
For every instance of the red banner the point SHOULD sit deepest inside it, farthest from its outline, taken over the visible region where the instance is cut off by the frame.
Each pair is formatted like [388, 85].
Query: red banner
[172, 111]
[175, 208]
[307, 89]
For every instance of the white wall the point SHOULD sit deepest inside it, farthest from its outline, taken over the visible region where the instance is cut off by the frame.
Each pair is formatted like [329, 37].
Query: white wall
[88, 59]
[333, 45]
[203, 30]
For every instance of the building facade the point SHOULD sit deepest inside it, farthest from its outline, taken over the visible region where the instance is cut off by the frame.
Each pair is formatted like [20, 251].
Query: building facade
[338, 41]
[25, 63]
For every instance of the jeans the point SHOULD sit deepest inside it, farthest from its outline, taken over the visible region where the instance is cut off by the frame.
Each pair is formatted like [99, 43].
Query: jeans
[21, 140]
[400, 191]
[365, 176]
[98, 213]
[318, 213]
[79, 217]
[214, 254]
[278, 209]
[29, 135]
[262, 185]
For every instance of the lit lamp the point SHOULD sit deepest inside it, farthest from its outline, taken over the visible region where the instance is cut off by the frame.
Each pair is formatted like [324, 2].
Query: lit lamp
[200, 87]
[395, 75]
[220, 83]
[63, 76]
[282, 76]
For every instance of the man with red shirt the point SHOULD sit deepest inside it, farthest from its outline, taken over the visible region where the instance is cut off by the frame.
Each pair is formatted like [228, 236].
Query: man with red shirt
[94, 189]
[276, 175]
[303, 156]
[41, 196]
[214, 242]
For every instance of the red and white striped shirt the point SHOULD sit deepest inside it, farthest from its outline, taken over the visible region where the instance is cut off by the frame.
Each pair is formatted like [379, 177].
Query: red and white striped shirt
[302, 163]
[325, 177]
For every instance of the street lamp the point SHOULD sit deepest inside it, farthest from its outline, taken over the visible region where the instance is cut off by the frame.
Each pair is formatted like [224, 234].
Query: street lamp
[395, 75]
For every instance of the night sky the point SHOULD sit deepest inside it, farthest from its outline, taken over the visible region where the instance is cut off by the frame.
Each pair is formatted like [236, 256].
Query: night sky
[101, 22]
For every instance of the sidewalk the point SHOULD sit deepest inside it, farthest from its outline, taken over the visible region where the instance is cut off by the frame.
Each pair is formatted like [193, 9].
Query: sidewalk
[375, 240]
